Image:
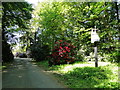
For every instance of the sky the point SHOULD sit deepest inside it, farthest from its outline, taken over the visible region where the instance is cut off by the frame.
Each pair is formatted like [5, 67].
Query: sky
[34, 2]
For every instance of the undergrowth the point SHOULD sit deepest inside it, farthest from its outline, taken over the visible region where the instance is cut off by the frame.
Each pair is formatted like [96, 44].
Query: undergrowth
[85, 75]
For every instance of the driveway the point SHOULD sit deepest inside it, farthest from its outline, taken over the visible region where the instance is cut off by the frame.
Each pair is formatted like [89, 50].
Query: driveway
[24, 74]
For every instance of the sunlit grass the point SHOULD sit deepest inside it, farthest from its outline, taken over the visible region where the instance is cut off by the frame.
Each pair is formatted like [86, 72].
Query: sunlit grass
[86, 75]
[69, 67]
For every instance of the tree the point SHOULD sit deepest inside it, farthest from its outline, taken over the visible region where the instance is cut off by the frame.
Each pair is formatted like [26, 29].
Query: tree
[74, 21]
[15, 17]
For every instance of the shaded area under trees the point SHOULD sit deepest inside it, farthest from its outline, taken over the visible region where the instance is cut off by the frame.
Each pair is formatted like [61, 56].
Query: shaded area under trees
[15, 17]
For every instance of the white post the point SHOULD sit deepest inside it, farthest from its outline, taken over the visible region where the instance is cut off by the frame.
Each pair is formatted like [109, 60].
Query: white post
[94, 39]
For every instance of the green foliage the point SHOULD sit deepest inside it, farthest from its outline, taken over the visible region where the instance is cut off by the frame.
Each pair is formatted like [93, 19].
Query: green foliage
[16, 13]
[39, 53]
[90, 77]
[7, 54]
[15, 18]
[62, 53]
[74, 20]
[85, 75]
[115, 56]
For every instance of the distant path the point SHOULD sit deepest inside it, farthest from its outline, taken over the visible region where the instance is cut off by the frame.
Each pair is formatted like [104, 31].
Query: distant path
[24, 74]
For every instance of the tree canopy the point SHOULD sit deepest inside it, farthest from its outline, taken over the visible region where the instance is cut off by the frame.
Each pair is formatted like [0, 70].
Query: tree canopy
[70, 21]
[15, 17]
[74, 20]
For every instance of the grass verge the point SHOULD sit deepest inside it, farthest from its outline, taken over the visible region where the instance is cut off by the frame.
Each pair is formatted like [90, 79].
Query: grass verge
[5, 65]
[85, 75]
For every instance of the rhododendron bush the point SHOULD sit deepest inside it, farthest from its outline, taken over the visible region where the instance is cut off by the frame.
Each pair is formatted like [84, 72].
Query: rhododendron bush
[63, 52]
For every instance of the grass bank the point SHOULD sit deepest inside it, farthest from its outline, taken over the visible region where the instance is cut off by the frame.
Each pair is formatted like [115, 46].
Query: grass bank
[85, 75]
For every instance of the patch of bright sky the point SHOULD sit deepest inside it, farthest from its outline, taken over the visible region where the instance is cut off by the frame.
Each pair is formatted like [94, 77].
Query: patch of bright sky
[34, 2]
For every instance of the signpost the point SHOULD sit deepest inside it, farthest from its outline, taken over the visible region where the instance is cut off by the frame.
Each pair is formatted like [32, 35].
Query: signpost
[94, 39]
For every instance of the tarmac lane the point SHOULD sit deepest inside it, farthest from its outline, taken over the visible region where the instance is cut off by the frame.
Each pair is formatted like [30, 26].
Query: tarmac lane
[24, 74]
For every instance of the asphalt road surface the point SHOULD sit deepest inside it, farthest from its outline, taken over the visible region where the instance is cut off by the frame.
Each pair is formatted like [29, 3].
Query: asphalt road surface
[24, 74]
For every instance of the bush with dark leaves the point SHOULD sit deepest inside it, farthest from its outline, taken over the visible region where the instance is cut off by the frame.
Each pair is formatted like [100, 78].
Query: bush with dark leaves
[39, 53]
[22, 55]
[62, 53]
[7, 54]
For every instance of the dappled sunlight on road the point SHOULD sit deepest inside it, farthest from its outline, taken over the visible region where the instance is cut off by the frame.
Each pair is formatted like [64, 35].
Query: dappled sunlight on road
[23, 73]
[5, 71]
[19, 76]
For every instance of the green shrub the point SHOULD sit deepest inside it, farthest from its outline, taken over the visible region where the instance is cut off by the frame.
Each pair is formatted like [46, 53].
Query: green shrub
[115, 56]
[63, 52]
[7, 54]
[39, 53]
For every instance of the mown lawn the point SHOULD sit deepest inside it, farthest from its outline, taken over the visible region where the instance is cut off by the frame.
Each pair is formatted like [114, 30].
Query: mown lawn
[85, 75]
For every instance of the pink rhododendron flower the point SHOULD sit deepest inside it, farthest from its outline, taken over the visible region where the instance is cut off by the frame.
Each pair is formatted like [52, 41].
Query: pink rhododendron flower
[60, 40]
[62, 52]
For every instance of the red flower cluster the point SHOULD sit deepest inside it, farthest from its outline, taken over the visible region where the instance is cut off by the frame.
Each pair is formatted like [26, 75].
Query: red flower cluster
[63, 52]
